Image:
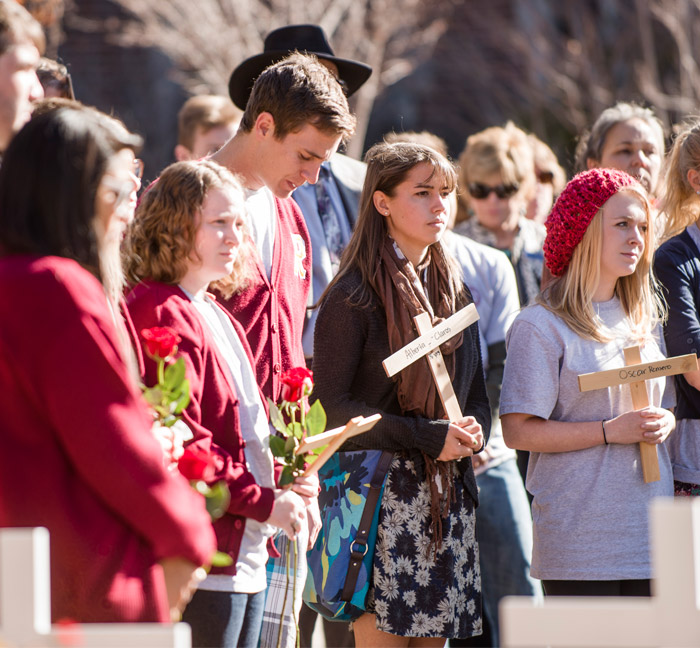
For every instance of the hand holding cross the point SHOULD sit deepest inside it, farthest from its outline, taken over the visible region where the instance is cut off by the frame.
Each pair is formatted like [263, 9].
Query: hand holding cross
[636, 373]
[428, 344]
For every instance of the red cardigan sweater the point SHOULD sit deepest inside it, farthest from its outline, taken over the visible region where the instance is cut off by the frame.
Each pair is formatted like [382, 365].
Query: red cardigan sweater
[272, 311]
[78, 456]
[213, 410]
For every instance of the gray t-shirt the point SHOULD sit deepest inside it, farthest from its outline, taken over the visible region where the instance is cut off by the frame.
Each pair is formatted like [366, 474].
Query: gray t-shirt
[590, 507]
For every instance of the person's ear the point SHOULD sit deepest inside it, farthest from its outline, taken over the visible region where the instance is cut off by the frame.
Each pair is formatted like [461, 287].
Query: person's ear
[379, 198]
[264, 125]
[182, 153]
[694, 179]
[591, 163]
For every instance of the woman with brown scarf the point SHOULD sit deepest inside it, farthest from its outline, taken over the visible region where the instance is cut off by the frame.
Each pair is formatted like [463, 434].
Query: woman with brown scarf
[426, 583]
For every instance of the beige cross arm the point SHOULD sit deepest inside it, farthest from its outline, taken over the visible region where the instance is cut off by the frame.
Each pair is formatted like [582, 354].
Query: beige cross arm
[430, 339]
[335, 438]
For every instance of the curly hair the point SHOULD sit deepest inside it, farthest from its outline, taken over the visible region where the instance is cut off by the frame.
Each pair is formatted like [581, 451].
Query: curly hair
[160, 243]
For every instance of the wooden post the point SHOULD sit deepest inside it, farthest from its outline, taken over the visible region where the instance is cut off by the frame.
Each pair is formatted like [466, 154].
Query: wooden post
[635, 374]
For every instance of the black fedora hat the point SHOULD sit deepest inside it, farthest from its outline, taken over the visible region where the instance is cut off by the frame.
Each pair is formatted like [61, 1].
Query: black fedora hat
[281, 42]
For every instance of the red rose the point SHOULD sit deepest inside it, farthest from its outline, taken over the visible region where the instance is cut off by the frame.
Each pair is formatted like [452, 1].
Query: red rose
[297, 383]
[161, 341]
[195, 465]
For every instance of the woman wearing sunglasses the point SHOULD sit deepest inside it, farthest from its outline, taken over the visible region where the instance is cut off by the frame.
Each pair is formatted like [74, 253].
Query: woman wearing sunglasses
[497, 178]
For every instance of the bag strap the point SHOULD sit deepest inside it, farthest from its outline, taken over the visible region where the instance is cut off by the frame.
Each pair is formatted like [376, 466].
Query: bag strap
[358, 547]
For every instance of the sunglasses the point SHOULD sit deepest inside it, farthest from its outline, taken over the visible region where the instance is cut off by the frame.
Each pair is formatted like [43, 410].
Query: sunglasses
[545, 177]
[481, 191]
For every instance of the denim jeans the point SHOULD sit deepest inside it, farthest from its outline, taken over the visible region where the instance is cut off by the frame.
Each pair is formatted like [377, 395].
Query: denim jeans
[504, 532]
[225, 619]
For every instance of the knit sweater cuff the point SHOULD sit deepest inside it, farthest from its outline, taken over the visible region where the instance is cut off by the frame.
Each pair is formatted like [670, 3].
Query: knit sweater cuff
[430, 436]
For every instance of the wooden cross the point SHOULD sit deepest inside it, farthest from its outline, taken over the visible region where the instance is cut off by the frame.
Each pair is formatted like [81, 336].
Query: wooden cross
[333, 439]
[429, 344]
[635, 373]
[671, 617]
[25, 605]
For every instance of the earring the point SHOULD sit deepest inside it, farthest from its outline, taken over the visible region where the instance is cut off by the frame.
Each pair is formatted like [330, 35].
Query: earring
[697, 191]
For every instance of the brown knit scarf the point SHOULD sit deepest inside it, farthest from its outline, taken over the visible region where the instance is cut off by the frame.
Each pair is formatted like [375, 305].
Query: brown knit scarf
[404, 296]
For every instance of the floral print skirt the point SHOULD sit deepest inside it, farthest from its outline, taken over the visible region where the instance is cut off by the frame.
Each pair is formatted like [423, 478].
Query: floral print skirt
[416, 593]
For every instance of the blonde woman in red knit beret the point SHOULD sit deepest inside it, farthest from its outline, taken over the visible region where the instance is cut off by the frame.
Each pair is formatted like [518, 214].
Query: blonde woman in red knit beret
[590, 502]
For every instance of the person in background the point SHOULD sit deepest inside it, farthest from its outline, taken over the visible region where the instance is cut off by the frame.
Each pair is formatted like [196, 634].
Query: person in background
[74, 420]
[55, 79]
[425, 579]
[590, 504]
[550, 179]
[628, 137]
[497, 177]
[330, 204]
[677, 267]
[503, 520]
[295, 119]
[22, 43]
[189, 232]
[204, 124]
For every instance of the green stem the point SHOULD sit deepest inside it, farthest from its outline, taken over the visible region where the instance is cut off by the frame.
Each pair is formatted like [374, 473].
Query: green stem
[161, 371]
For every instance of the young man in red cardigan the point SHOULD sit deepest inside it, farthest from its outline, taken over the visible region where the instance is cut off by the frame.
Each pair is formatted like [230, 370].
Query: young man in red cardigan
[295, 119]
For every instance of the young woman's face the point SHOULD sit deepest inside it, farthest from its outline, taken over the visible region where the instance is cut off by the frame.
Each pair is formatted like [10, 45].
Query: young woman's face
[624, 234]
[632, 147]
[417, 214]
[116, 194]
[497, 205]
[219, 235]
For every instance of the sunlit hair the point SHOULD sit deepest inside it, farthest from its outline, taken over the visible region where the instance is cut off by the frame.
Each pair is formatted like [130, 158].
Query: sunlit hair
[545, 160]
[388, 165]
[17, 25]
[296, 91]
[160, 243]
[592, 142]
[680, 202]
[505, 151]
[571, 295]
[204, 112]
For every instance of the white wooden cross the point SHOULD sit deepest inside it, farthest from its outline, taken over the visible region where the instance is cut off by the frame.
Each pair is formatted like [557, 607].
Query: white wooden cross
[429, 344]
[671, 617]
[635, 373]
[25, 605]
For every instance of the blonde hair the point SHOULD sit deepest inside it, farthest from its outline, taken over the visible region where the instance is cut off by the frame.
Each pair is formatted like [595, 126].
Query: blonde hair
[546, 160]
[680, 203]
[505, 150]
[571, 295]
[161, 240]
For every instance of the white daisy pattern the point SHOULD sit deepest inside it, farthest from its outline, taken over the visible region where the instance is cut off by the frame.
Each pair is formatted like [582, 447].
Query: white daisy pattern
[415, 593]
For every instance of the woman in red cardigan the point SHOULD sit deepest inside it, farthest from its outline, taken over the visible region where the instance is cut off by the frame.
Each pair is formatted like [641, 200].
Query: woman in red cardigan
[188, 233]
[77, 455]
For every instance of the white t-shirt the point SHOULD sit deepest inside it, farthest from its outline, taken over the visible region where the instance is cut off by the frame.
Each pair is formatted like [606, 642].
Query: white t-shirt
[262, 220]
[250, 574]
[591, 507]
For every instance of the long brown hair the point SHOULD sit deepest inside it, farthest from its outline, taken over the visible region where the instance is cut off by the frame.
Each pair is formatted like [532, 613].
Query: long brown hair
[387, 167]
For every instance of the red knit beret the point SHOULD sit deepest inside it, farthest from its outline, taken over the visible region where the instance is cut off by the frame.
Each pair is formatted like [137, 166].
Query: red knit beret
[574, 210]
